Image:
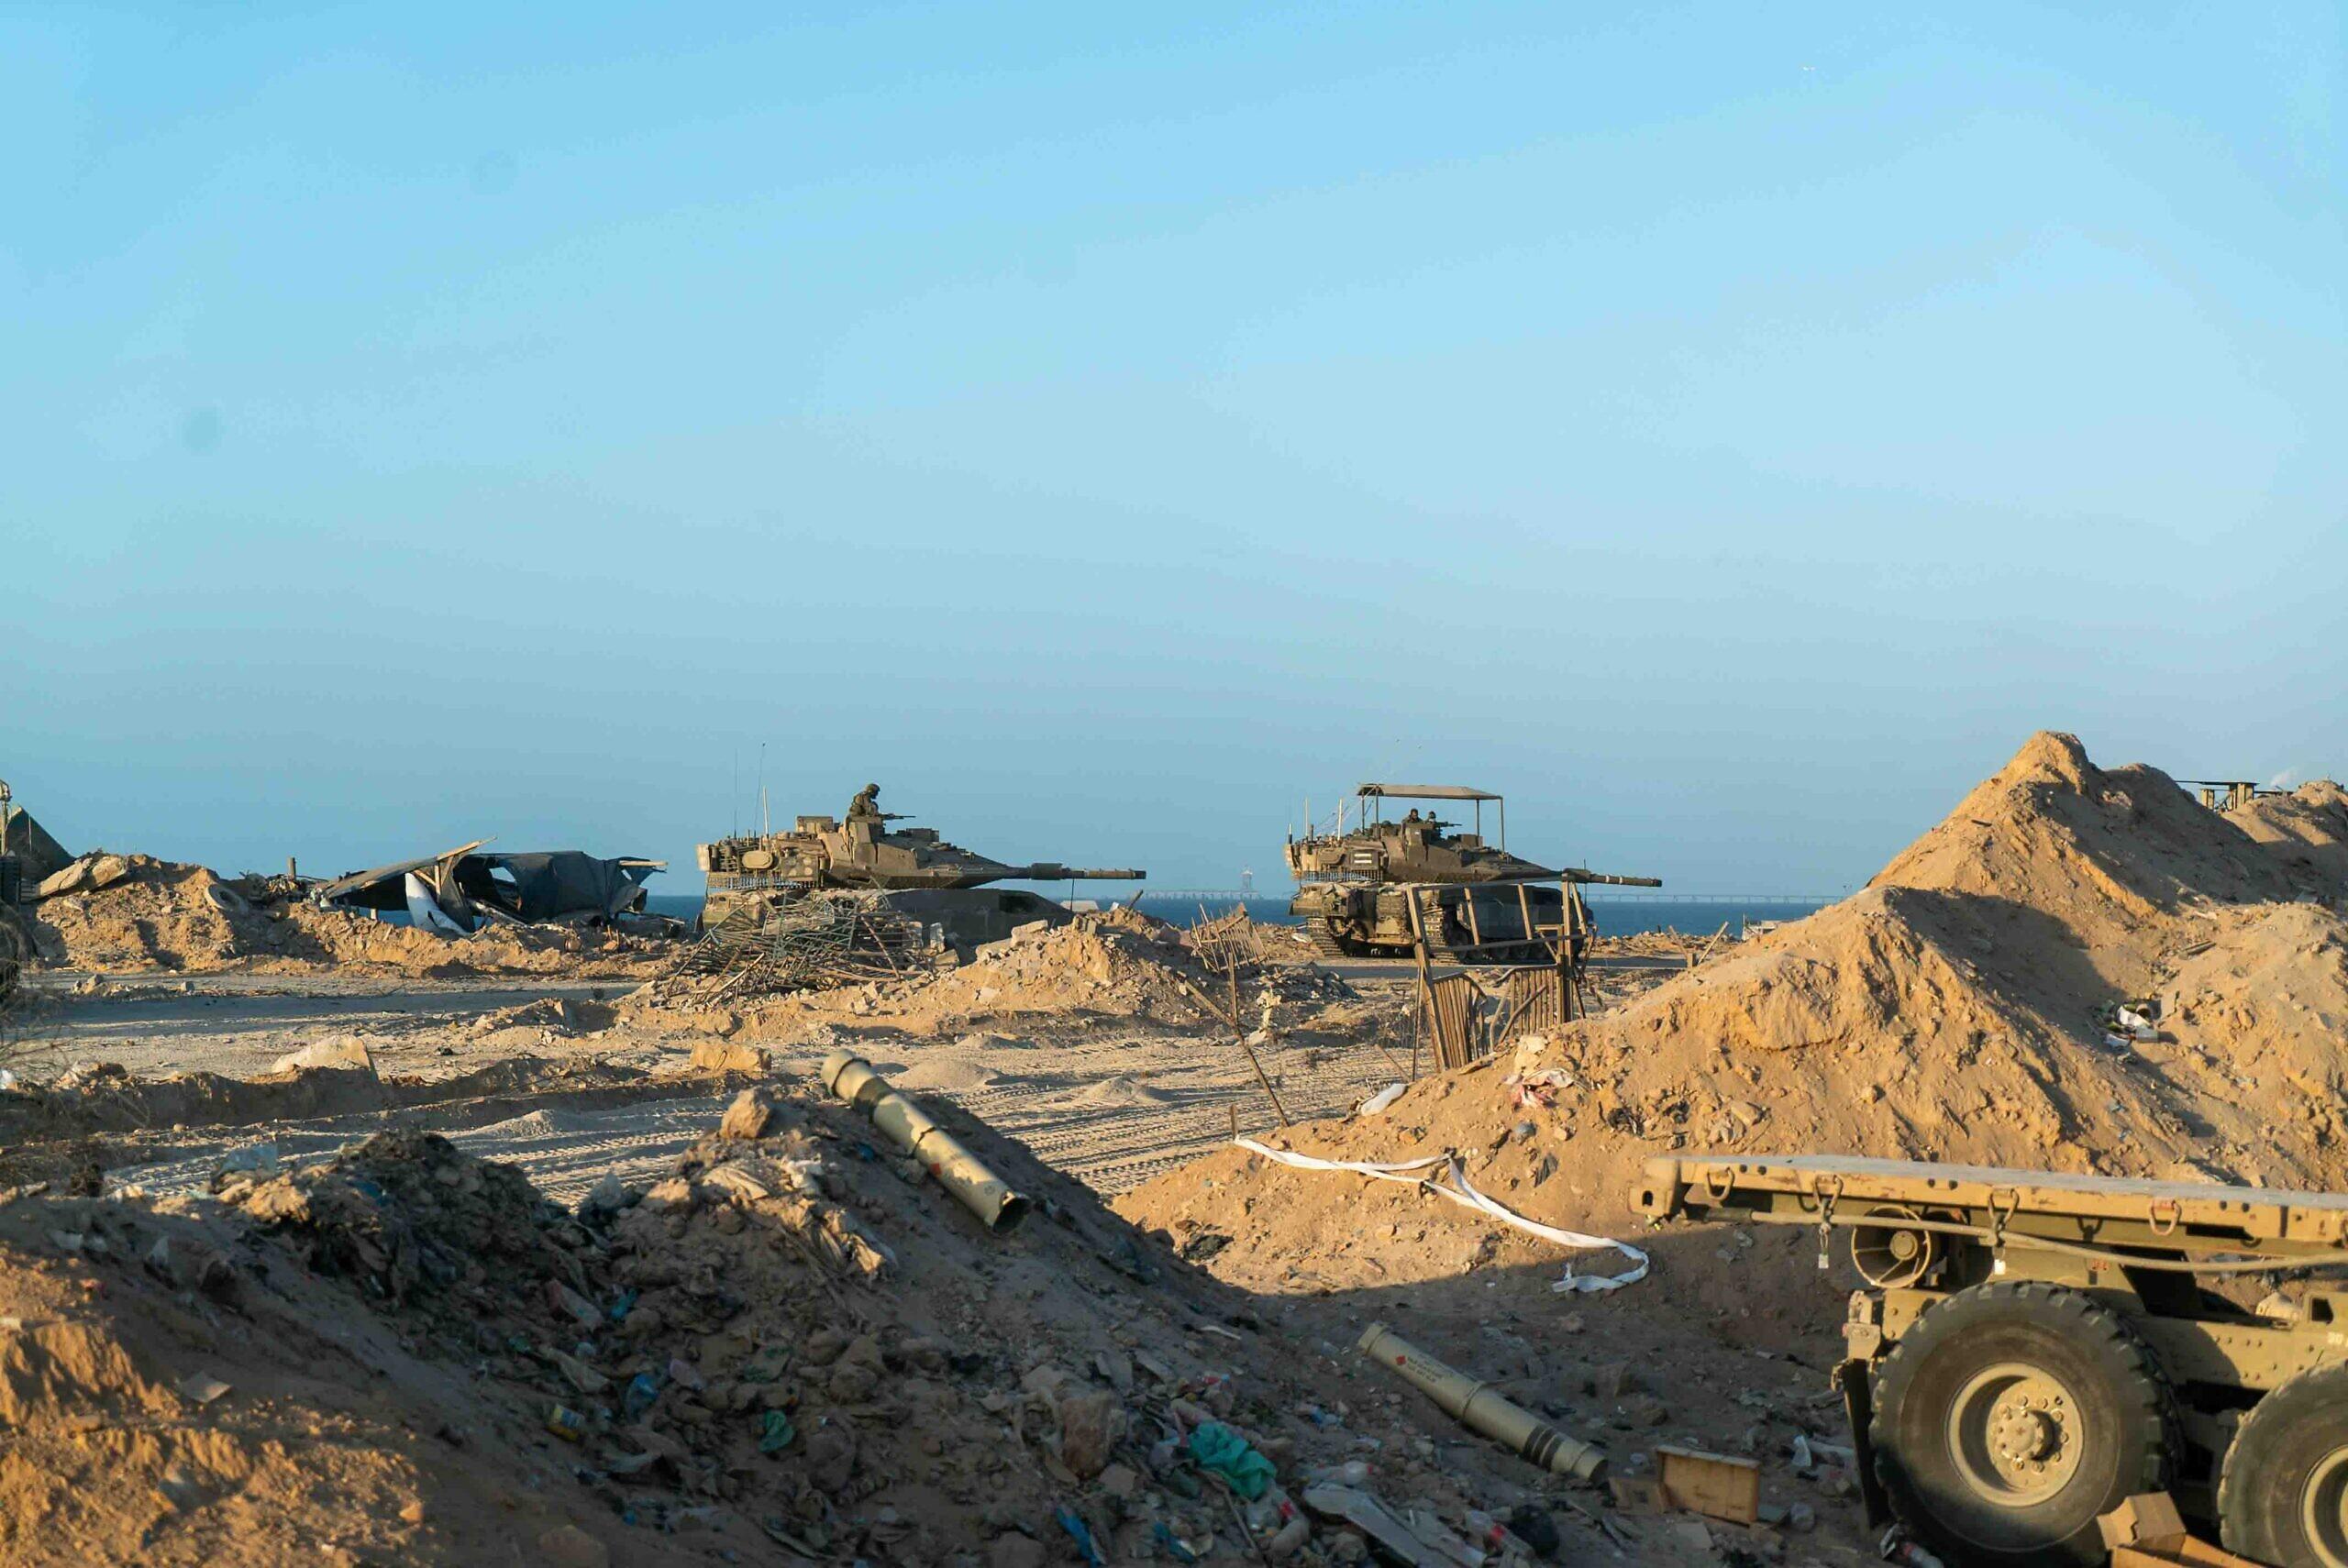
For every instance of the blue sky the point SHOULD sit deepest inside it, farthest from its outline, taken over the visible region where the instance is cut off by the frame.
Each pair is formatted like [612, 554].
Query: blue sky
[1729, 431]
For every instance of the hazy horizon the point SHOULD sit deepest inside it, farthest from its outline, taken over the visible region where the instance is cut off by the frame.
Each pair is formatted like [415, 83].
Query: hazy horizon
[1728, 434]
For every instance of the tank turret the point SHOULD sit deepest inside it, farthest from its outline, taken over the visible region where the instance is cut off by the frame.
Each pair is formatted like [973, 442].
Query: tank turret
[1355, 886]
[863, 850]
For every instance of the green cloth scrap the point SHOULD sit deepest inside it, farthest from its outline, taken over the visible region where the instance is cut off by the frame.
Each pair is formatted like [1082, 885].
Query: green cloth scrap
[775, 1432]
[1217, 1448]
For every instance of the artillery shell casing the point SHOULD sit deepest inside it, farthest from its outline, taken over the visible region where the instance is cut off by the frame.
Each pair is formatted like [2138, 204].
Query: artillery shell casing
[1479, 1409]
[910, 1128]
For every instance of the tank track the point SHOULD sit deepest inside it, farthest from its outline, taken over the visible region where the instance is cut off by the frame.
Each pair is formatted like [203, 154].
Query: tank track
[1327, 942]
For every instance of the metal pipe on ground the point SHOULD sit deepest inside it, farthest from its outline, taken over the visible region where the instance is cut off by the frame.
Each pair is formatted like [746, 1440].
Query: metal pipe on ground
[1478, 1409]
[915, 1131]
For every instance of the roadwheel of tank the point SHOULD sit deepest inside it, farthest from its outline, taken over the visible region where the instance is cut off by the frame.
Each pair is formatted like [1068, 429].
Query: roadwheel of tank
[2283, 1491]
[2010, 1416]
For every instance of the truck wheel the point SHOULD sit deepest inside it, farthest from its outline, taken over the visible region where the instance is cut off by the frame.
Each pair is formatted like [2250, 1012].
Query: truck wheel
[2283, 1493]
[2010, 1416]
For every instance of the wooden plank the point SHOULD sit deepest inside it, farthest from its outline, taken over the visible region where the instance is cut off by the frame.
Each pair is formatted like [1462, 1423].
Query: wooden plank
[1713, 1485]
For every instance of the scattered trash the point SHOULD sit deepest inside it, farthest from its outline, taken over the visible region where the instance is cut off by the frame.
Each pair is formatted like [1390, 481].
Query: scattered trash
[258, 1158]
[1531, 1523]
[566, 1423]
[1537, 1088]
[1170, 1543]
[775, 1431]
[1381, 1100]
[202, 1387]
[1365, 1513]
[1081, 1533]
[1896, 1547]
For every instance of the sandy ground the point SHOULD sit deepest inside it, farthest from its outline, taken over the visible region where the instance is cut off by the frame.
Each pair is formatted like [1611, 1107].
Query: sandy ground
[571, 1081]
[1102, 1101]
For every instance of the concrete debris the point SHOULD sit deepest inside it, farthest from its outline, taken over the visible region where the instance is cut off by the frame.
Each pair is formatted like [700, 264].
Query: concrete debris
[86, 875]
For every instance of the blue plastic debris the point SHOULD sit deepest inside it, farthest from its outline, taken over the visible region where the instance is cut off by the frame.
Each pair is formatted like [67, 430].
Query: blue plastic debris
[1081, 1533]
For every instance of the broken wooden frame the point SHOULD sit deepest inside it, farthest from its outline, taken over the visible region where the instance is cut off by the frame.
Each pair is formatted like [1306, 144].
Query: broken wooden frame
[1534, 997]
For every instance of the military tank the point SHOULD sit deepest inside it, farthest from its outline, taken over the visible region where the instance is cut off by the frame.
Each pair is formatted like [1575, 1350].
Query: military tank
[1372, 891]
[926, 877]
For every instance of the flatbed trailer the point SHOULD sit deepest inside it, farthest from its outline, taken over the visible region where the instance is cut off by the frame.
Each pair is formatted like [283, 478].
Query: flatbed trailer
[2033, 1347]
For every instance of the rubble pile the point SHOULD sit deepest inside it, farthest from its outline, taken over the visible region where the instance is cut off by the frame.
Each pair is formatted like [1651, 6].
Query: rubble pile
[796, 1345]
[410, 1219]
[1091, 967]
[2078, 969]
[118, 911]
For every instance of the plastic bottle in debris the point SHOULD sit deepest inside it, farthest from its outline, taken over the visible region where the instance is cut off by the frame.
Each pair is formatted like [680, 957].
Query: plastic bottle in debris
[1897, 1547]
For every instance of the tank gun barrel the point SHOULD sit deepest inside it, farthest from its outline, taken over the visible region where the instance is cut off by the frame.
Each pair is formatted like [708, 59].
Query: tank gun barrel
[1575, 874]
[1053, 871]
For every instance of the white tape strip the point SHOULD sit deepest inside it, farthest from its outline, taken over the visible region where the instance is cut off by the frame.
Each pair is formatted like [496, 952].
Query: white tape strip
[1460, 1190]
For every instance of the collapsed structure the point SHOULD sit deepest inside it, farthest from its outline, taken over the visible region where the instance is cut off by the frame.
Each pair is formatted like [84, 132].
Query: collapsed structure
[133, 911]
[460, 890]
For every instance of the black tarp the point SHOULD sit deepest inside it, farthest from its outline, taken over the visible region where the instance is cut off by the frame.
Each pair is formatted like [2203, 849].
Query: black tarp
[547, 883]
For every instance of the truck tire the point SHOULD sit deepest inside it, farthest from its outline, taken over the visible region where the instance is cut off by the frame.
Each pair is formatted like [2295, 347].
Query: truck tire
[2283, 1491]
[2010, 1416]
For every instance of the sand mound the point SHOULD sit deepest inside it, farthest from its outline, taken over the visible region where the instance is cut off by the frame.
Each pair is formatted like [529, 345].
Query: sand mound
[1952, 1009]
[947, 1074]
[166, 915]
[1111, 1093]
[2307, 829]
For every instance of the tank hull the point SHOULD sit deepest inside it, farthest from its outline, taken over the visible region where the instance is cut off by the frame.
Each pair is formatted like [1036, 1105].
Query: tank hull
[1482, 923]
[969, 917]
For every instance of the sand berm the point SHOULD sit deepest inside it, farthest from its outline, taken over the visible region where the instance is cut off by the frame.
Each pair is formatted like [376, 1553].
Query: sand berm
[1951, 1009]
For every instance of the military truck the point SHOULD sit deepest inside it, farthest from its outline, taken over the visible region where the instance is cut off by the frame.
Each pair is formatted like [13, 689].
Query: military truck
[1376, 891]
[927, 878]
[2033, 1348]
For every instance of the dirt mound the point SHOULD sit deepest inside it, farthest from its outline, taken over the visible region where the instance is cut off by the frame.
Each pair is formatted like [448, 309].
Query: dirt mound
[1110, 1092]
[1957, 1008]
[948, 1074]
[164, 915]
[92, 1097]
[2307, 828]
[796, 1345]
